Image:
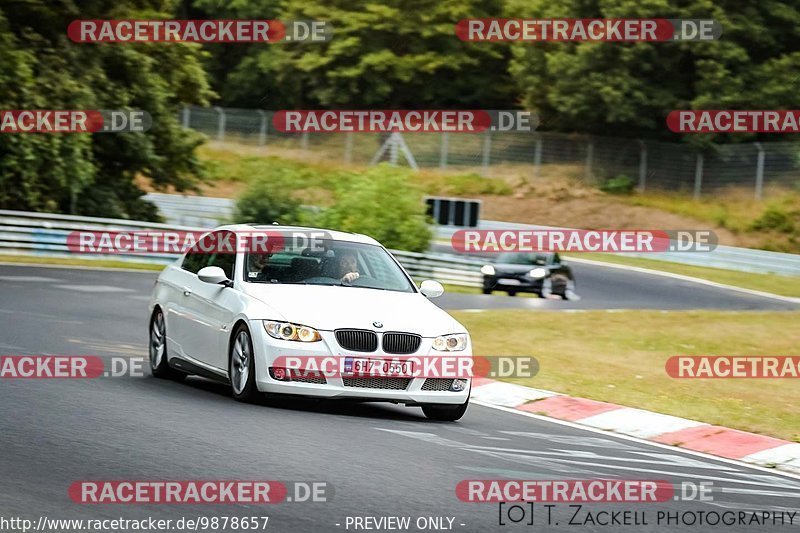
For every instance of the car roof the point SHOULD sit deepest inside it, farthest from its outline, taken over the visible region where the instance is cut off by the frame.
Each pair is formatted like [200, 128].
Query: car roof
[333, 234]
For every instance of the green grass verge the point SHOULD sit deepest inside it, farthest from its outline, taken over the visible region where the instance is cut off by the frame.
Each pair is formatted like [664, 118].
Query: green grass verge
[99, 263]
[619, 357]
[774, 283]
[316, 180]
[772, 224]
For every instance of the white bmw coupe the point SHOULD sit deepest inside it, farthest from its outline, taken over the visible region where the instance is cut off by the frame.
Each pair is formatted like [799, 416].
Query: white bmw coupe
[232, 316]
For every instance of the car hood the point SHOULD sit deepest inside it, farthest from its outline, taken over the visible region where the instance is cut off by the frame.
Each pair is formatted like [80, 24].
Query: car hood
[515, 269]
[333, 307]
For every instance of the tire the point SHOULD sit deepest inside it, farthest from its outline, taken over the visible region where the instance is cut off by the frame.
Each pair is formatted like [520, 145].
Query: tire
[561, 284]
[547, 288]
[159, 366]
[444, 412]
[241, 366]
[512, 293]
[487, 291]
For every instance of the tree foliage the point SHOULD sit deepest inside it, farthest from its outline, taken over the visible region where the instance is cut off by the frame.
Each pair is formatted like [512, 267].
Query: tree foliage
[628, 89]
[94, 174]
[384, 54]
[383, 204]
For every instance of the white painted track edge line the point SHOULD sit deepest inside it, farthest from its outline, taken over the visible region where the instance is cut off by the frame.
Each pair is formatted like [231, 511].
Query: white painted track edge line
[683, 277]
[81, 267]
[637, 439]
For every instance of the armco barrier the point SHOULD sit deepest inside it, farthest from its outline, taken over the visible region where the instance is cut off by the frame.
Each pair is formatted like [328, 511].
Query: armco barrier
[207, 212]
[45, 234]
[24, 232]
[724, 257]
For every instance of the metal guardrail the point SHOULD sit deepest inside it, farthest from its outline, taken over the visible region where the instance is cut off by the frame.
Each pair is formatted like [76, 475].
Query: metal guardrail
[200, 211]
[26, 233]
[723, 257]
[45, 234]
[208, 212]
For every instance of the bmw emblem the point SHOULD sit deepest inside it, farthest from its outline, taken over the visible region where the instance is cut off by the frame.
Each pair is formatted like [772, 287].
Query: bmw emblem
[377, 324]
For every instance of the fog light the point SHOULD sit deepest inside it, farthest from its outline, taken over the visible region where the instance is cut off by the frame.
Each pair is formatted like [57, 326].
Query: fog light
[458, 385]
[280, 374]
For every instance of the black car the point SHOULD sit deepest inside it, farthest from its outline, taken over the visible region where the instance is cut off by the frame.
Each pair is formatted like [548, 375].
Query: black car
[540, 273]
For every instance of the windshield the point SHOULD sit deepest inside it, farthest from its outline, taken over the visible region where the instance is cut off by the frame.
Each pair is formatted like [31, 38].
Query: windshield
[330, 262]
[522, 259]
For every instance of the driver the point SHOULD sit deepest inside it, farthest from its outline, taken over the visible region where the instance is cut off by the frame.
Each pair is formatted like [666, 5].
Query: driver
[348, 267]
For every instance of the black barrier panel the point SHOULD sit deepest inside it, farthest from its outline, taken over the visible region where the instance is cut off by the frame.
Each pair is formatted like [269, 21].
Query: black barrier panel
[453, 212]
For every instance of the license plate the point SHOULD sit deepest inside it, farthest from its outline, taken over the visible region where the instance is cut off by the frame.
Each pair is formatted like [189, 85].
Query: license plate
[507, 281]
[377, 367]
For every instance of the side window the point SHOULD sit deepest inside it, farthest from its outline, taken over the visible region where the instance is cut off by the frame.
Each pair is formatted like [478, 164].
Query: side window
[225, 259]
[194, 260]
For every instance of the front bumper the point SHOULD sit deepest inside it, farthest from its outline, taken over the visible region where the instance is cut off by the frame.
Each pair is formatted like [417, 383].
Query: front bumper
[267, 349]
[512, 282]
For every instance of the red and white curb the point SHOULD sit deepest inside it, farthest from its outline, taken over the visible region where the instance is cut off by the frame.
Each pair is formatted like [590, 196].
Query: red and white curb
[690, 434]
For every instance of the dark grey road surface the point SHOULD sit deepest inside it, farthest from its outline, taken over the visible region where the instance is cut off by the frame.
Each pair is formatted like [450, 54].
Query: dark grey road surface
[601, 287]
[380, 460]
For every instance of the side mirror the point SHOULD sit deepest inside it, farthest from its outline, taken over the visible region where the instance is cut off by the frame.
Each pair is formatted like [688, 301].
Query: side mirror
[214, 275]
[431, 288]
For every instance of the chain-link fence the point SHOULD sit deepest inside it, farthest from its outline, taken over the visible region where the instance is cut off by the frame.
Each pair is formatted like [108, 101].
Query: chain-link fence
[646, 164]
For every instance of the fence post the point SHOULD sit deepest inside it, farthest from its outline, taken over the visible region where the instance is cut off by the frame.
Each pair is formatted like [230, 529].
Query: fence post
[759, 172]
[304, 140]
[487, 149]
[186, 114]
[393, 149]
[220, 124]
[537, 156]
[698, 176]
[262, 132]
[443, 151]
[589, 158]
[642, 165]
[348, 147]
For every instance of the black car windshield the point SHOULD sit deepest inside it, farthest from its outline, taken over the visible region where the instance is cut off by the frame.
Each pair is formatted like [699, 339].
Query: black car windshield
[329, 262]
[518, 258]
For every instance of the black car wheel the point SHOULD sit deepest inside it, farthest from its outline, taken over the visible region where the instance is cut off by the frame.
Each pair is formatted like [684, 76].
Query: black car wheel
[159, 366]
[559, 284]
[241, 368]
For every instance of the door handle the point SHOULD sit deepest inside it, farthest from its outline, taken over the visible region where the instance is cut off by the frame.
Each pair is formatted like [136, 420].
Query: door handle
[187, 291]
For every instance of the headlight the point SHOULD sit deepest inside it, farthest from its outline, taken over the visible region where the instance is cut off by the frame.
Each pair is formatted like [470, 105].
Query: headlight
[487, 270]
[450, 343]
[287, 331]
[538, 272]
